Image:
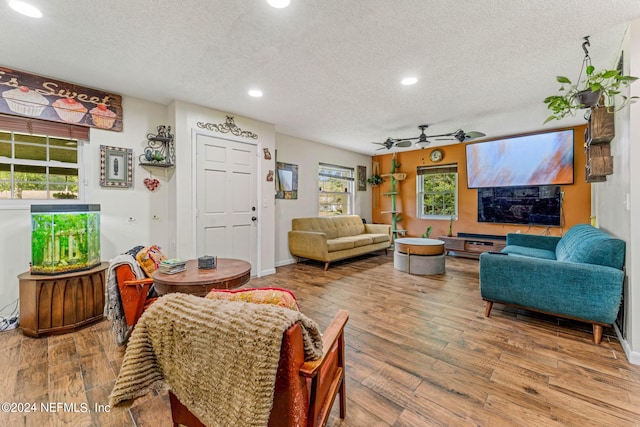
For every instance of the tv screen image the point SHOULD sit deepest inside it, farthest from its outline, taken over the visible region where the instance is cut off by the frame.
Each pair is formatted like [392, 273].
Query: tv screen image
[531, 205]
[539, 159]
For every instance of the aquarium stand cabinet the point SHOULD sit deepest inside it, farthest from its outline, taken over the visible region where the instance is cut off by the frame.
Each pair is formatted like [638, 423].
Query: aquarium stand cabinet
[61, 303]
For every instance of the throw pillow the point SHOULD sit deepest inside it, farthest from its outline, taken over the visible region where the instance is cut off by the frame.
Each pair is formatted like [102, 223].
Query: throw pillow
[277, 296]
[150, 258]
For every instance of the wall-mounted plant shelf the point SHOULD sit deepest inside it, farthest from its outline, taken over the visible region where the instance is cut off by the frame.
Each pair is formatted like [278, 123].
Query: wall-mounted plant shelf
[160, 151]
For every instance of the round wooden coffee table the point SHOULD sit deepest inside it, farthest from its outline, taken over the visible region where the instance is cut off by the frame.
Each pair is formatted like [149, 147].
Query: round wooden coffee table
[415, 255]
[229, 274]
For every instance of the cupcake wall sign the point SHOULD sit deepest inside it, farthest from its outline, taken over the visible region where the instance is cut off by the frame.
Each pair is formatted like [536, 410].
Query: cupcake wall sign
[30, 95]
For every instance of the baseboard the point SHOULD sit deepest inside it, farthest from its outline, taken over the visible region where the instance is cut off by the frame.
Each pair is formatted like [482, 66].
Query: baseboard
[632, 356]
[267, 272]
[285, 262]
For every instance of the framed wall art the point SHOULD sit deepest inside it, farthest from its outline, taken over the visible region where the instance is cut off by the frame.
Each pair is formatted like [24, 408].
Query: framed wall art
[286, 181]
[116, 167]
[362, 178]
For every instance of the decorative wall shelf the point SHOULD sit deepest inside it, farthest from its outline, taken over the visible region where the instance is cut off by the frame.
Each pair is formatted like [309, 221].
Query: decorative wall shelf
[160, 150]
[598, 135]
[396, 176]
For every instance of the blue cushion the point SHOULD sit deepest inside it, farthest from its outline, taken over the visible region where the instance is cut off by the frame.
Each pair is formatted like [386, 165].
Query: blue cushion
[532, 252]
[586, 244]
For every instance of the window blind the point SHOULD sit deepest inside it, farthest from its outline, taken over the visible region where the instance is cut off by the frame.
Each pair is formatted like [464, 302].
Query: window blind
[43, 127]
[432, 170]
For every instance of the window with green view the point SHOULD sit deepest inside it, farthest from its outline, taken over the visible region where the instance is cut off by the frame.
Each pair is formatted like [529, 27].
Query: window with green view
[335, 185]
[437, 188]
[38, 167]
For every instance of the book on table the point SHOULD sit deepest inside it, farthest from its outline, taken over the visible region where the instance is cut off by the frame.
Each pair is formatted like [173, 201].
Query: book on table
[172, 266]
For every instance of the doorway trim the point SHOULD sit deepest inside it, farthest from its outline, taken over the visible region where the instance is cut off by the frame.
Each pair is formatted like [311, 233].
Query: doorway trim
[194, 202]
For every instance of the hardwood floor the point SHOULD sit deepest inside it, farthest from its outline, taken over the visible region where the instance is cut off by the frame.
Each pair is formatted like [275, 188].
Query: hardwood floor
[419, 352]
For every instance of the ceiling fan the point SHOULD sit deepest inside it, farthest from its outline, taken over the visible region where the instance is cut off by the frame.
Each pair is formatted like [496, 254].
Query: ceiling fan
[423, 139]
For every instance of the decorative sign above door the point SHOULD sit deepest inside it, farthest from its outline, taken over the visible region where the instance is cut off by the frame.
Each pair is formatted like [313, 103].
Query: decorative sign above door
[228, 127]
[29, 95]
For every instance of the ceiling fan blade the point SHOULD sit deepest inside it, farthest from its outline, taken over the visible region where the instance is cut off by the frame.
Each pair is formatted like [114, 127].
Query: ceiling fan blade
[403, 144]
[473, 135]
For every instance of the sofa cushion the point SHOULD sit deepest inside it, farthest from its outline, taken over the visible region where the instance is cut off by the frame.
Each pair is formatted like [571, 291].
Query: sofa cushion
[339, 244]
[379, 238]
[361, 240]
[587, 244]
[333, 227]
[531, 252]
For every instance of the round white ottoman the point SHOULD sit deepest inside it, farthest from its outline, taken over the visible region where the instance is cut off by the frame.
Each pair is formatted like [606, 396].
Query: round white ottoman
[415, 255]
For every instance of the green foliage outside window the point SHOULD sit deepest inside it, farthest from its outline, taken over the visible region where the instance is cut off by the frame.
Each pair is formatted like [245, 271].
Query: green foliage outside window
[336, 187]
[438, 194]
[27, 167]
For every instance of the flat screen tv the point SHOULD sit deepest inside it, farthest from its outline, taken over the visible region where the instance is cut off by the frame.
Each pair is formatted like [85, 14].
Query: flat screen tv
[530, 205]
[539, 159]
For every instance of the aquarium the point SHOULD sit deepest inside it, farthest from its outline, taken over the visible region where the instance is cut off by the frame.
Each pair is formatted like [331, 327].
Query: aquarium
[64, 238]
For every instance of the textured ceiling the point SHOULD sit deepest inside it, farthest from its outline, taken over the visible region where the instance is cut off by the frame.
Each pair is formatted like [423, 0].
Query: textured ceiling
[329, 69]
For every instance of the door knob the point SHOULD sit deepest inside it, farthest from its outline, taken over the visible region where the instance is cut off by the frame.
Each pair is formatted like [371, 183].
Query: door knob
[254, 218]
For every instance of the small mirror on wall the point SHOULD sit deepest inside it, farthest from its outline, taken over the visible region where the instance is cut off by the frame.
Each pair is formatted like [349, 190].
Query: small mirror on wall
[286, 181]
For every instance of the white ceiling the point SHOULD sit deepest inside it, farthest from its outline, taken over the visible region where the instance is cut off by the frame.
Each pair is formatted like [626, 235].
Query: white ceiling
[329, 69]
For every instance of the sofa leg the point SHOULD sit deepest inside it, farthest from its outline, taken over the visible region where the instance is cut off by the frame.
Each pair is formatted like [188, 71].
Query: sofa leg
[488, 307]
[326, 266]
[597, 333]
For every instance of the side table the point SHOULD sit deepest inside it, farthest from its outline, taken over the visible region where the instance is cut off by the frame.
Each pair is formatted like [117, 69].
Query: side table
[230, 273]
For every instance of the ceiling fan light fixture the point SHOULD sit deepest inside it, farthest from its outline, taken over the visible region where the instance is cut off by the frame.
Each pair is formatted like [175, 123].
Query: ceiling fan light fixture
[423, 144]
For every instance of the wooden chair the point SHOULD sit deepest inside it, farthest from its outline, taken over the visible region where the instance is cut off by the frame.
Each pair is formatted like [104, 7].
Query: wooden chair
[304, 391]
[133, 293]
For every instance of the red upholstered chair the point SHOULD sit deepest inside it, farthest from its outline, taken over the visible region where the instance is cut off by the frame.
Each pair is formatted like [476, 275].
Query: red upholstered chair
[134, 289]
[304, 391]
[133, 293]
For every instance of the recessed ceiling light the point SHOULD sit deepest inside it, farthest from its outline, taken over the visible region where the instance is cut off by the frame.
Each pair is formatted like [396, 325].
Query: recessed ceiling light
[278, 4]
[408, 81]
[255, 93]
[25, 9]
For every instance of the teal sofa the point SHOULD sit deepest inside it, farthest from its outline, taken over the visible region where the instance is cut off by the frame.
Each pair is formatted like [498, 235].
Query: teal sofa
[577, 276]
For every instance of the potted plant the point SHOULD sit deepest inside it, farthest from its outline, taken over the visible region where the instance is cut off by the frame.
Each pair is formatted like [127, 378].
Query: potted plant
[597, 89]
[375, 180]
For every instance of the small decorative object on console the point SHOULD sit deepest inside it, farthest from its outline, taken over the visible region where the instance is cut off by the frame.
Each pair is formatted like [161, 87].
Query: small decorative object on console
[207, 262]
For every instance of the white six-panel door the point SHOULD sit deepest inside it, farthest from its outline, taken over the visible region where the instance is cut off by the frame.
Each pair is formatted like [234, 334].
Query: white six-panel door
[226, 199]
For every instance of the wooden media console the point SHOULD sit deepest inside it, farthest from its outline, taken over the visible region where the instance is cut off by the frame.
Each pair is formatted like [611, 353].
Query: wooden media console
[473, 244]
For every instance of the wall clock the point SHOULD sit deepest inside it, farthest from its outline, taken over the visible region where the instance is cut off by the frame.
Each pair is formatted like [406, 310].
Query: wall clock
[436, 156]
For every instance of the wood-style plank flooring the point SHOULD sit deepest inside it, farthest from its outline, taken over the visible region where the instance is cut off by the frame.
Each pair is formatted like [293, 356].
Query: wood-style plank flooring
[419, 353]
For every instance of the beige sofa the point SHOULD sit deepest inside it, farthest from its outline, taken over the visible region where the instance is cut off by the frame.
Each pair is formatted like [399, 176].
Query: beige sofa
[336, 237]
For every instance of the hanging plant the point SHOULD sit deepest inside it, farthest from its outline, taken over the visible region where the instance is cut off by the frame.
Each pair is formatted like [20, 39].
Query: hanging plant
[596, 89]
[375, 180]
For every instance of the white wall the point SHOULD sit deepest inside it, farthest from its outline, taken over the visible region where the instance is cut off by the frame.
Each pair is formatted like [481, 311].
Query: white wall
[117, 205]
[610, 198]
[307, 155]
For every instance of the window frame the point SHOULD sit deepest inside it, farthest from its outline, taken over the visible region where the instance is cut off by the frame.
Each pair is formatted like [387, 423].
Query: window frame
[432, 170]
[350, 182]
[80, 165]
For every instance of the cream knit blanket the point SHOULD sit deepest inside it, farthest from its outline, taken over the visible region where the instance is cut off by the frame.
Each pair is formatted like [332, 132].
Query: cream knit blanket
[219, 357]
